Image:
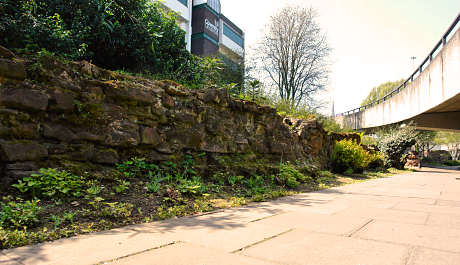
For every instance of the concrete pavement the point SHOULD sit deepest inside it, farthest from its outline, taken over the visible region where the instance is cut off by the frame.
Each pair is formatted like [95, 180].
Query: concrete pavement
[407, 219]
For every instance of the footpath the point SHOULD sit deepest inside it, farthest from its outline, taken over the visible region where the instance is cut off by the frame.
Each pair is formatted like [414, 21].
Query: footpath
[407, 219]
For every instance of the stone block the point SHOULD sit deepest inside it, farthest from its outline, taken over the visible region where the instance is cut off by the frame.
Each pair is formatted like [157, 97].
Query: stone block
[64, 101]
[58, 132]
[12, 69]
[122, 133]
[26, 99]
[22, 151]
[5, 53]
[150, 136]
[108, 156]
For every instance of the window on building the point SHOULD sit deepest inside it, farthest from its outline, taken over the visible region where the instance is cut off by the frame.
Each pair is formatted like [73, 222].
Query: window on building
[231, 34]
[215, 4]
[184, 2]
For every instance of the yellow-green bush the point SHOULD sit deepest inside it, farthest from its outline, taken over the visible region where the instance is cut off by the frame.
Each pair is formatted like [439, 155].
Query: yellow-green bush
[348, 155]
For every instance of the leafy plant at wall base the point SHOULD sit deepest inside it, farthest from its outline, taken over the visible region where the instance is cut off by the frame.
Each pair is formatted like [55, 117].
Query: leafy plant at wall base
[290, 176]
[19, 214]
[51, 183]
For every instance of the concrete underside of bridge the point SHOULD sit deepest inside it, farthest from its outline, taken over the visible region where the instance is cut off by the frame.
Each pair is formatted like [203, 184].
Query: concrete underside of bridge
[431, 101]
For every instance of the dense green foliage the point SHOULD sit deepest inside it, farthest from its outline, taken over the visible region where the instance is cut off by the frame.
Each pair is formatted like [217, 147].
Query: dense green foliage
[381, 91]
[349, 156]
[133, 35]
[19, 214]
[51, 183]
[290, 176]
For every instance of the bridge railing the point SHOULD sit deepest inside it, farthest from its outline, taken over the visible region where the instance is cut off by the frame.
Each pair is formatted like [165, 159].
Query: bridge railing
[419, 70]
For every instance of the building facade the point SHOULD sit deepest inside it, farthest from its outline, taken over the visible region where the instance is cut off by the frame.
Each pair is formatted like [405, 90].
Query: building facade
[208, 31]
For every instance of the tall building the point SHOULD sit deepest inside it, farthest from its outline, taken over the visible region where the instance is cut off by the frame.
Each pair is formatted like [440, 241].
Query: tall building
[208, 31]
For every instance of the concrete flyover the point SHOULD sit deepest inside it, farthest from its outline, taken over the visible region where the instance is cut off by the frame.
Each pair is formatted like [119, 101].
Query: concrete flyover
[430, 97]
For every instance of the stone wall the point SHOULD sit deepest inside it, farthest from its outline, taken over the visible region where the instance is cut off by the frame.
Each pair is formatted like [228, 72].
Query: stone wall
[62, 114]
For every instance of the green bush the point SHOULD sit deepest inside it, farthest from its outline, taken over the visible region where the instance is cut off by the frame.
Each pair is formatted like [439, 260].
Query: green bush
[290, 176]
[394, 142]
[132, 35]
[348, 155]
[51, 183]
[452, 163]
[20, 214]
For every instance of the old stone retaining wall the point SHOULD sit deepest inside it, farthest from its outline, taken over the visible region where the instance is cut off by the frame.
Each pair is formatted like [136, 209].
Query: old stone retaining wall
[62, 114]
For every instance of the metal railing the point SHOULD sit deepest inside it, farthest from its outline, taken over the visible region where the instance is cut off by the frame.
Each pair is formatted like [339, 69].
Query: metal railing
[441, 43]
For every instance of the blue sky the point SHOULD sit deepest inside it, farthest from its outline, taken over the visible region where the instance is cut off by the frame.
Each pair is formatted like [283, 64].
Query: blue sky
[372, 40]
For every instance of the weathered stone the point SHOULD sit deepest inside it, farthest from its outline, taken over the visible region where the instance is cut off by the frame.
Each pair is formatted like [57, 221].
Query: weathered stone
[150, 136]
[87, 136]
[82, 152]
[19, 131]
[12, 69]
[5, 53]
[127, 91]
[168, 101]
[56, 149]
[58, 132]
[22, 151]
[64, 101]
[122, 133]
[176, 90]
[107, 156]
[26, 99]
[24, 166]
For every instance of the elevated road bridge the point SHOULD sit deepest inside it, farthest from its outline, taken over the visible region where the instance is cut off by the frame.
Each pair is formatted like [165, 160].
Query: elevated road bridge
[430, 97]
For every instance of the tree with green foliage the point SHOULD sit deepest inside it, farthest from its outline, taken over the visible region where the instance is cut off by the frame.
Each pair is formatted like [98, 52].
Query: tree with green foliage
[425, 142]
[452, 141]
[381, 91]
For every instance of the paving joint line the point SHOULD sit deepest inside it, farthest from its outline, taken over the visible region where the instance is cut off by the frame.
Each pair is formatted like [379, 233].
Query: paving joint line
[406, 245]
[137, 253]
[262, 241]
[266, 217]
[354, 231]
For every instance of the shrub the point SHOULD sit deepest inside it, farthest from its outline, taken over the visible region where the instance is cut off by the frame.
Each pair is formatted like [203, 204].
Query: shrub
[133, 35]
[51, 183]
[348, 155]
[19, 214]
[452, 163]
[394, 142]
[290, 176]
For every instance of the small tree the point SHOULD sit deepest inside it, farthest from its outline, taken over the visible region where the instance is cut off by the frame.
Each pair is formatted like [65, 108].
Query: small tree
[293, 53]
[452, 141]
[425, 142]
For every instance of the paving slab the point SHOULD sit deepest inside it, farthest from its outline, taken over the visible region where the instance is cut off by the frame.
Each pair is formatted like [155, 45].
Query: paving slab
[324, 223]
[391, 215]
[415, 207]
[90, 249]
[301, 247]
[440, 238]
[230, 239]
[188, 254]
[423, 256]
[444, 220]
